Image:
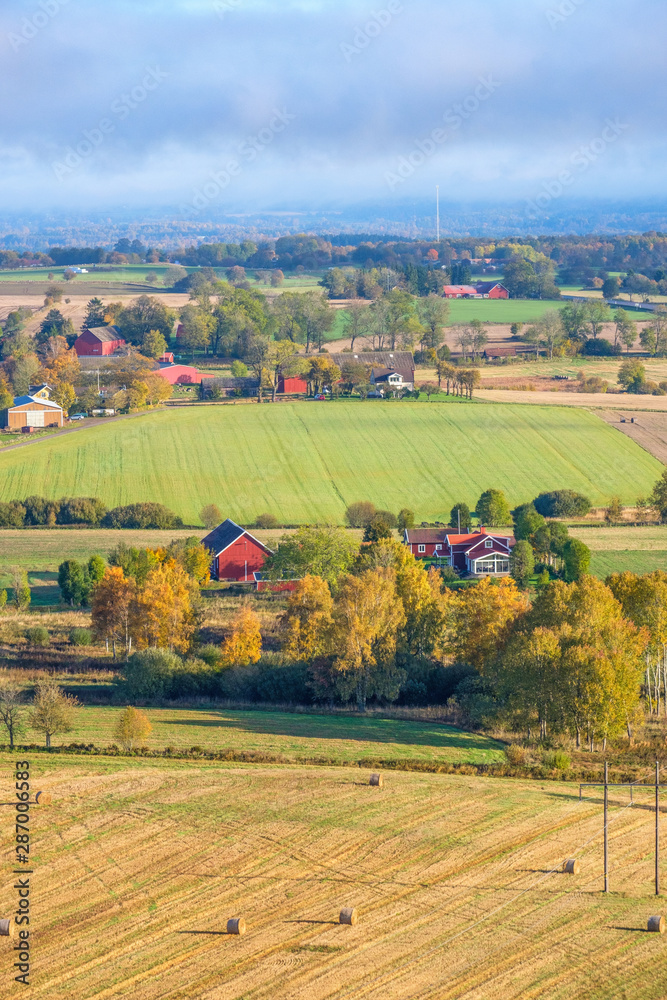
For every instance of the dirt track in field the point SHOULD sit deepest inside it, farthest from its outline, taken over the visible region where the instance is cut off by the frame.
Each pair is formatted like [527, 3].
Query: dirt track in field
[598, 401]
[140, 864]
[649, 430]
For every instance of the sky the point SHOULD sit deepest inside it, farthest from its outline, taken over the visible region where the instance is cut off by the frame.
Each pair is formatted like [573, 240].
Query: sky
[254, 105]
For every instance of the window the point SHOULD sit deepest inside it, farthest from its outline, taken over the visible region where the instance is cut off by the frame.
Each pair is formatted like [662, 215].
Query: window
[438, 547]
[422, 548]
[489, 543]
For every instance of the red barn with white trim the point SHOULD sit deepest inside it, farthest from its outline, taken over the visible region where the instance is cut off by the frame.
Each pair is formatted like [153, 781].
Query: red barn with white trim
[237, 555]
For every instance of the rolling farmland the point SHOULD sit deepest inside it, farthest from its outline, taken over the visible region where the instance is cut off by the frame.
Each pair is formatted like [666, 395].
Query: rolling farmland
[305, 462]
[456, 879]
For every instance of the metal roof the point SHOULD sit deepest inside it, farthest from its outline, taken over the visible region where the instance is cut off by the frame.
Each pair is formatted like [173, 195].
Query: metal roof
[225, 535]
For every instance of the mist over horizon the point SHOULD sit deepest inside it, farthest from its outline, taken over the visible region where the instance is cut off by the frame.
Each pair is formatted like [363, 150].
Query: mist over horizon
[529, 120]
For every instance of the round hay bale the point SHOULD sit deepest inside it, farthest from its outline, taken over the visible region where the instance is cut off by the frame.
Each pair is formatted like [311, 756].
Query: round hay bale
[43, 798]
[377, 780]
[656, 924]
[571, 867]
[348, 916]
[236, 925]
[7, 928]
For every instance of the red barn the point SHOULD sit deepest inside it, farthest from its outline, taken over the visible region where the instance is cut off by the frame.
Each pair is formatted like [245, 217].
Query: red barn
[98, 341]
[181, 374]
[483, 290]
[292, 385]
[492, 290]
[237, 555]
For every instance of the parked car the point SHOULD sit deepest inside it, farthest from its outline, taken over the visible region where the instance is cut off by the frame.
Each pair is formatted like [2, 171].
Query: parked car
[78, 416]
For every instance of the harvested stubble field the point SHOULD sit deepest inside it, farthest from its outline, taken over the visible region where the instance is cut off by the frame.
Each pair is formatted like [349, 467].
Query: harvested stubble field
[649, 430]
[139, 865]
[295, 737]
[305, 462]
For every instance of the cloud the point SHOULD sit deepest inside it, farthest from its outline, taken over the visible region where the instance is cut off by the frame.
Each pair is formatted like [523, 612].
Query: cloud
[364, 81]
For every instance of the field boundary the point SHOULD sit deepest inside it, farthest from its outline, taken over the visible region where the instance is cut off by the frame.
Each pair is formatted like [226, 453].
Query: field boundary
[539, 773]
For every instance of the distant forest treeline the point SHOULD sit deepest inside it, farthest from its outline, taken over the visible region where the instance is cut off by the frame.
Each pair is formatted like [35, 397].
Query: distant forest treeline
[575, 258]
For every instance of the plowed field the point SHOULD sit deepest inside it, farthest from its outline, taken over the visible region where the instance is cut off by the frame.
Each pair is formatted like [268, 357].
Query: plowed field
[139, 864]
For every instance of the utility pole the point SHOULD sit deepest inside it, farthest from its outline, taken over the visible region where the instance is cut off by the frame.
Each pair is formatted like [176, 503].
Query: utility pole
[657, 827]
[437, 212]
[606, 831]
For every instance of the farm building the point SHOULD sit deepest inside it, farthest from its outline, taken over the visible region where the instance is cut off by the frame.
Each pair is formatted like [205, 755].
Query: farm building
[478, 553]
[181, 374]
[31, 411]
[237, 555]
[42, 391]
[99, 341]
[242, 385]
[292, 385]
[383, 365]
[483, 290]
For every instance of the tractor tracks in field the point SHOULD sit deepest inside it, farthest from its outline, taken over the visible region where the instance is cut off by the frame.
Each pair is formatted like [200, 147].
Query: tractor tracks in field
[322, 459]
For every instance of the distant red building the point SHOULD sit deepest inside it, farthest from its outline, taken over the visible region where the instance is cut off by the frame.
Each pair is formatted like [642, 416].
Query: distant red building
[483, 290]
[98, 341]
[292, 385]
[181, 374]
[237, 555]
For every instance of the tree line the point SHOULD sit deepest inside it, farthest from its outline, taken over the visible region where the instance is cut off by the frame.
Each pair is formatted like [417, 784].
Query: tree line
[89, 511]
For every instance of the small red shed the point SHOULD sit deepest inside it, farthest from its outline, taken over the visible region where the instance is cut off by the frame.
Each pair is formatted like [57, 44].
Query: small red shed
[292, 385]
[98, 341]
[237, 555]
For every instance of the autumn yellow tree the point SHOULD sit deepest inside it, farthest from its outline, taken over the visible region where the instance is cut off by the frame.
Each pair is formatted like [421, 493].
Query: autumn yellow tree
[425, 602]
[158, 389]
[368, 617]
[599, 664]
[644, 602]
[132, 728]
[162, 614]
[305, 627]
[482, 618]
[111, 602]
[243, 643]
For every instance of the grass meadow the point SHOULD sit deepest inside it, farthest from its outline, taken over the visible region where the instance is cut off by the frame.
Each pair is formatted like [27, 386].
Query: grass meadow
[457, 881]
[305, 462]
[295, 737]
[617, 550]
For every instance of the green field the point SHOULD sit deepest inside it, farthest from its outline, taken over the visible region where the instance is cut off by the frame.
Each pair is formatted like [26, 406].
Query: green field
[617, 550]
[499, 310]
[305, 462]
[341, 739]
